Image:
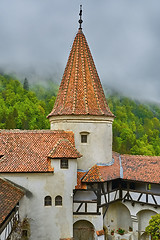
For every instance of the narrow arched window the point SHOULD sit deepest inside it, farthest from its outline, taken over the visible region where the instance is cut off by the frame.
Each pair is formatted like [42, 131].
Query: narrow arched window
[47, 201]
[58, 201]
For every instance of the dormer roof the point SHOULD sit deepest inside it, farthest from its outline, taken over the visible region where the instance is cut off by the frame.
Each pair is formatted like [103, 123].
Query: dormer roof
[80, 92]
[64, 149]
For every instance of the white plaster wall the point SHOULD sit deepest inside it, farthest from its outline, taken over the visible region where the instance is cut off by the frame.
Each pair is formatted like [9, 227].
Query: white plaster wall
[51, 222]
[134, 210]
[155, 188]
[143, 219]
[91, 207]
[118, 216]
[85, 195]
[98, 149]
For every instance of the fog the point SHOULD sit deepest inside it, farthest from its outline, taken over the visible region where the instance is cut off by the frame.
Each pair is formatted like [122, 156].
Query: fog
[36, 37]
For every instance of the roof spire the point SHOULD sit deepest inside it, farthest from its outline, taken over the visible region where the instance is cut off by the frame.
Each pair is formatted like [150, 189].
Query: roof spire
[80, 20]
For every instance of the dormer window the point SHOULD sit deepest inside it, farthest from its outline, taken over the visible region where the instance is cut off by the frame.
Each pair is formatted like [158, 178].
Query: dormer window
[64, 163]
[84, 137]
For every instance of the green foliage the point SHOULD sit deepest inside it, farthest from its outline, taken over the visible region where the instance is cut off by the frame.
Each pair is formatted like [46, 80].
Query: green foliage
[20, 108]
[120, 231]
[136, 128]
[26, 84]
[154, 227]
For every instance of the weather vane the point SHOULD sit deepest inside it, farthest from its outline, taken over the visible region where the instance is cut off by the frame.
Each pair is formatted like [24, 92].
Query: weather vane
[80, 20]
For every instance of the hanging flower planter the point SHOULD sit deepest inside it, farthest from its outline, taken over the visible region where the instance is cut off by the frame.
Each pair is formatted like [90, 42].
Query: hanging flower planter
[120, 231]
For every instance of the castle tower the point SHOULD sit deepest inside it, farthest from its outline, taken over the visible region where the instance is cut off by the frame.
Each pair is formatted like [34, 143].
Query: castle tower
[81, 106]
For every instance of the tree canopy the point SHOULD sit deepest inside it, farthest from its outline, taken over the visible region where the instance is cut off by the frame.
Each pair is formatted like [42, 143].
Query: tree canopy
[21, 108]
[136, 128]
[154, 227]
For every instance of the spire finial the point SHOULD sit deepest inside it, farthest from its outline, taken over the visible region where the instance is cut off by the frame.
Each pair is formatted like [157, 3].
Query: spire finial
[80, 20]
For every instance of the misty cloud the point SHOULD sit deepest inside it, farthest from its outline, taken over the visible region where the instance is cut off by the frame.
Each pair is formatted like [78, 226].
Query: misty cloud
[123, 35]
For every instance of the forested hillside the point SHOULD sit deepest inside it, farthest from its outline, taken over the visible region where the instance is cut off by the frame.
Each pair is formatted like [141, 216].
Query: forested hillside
[21, 108]
[136, 128]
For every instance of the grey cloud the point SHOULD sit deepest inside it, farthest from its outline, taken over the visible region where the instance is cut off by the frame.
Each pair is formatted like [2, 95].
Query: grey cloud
[123, 36]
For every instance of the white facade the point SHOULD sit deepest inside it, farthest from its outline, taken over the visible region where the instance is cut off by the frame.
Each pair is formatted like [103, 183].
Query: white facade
[48, 222]
[98, 148]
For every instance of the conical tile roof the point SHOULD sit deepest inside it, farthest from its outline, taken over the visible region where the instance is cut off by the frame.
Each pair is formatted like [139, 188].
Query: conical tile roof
[80, 92]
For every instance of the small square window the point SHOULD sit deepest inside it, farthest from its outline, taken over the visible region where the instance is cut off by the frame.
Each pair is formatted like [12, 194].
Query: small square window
[84, 138]
[64, 163]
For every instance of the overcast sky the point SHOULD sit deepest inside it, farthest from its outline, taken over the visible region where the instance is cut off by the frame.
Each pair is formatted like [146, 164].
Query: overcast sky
[123, 35]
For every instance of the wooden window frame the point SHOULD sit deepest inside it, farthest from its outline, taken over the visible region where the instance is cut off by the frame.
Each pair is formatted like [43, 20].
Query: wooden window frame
[58, 200]
[64, 163]
[47, 201]
[83, 138]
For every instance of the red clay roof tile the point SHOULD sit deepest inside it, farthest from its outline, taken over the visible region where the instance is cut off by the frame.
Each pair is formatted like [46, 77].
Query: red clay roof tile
[27, 151]
[9, 197]
[64, 149]
[80, 92]
[134, 168]
[102, 173]
[80, 184]
[141, 168]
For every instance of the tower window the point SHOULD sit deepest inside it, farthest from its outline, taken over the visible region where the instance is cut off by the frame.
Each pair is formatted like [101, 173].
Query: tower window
[47, 201]
[58, 201]
[84, 138]
[64, 163]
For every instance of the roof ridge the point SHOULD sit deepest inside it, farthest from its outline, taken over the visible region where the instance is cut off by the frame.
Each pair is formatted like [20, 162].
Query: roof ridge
[75, 77]
[13, 185]
[72, 60]
[92, 77]
[59, 142]
[84, 78]
[99, 85]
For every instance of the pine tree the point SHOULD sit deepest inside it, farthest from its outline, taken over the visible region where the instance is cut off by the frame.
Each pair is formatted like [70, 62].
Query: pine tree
[26, 84]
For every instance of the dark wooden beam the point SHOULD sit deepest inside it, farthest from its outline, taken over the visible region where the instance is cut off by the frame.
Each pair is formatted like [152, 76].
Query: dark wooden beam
[86, 213]
[79, 207]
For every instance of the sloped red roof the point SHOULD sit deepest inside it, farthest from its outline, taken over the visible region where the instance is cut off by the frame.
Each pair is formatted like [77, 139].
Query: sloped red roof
[128, 167]
[9, 197]
[141, 168]
[80, 184]
[64, 149]
[102, 173]
[27, 151]
[80, 92]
